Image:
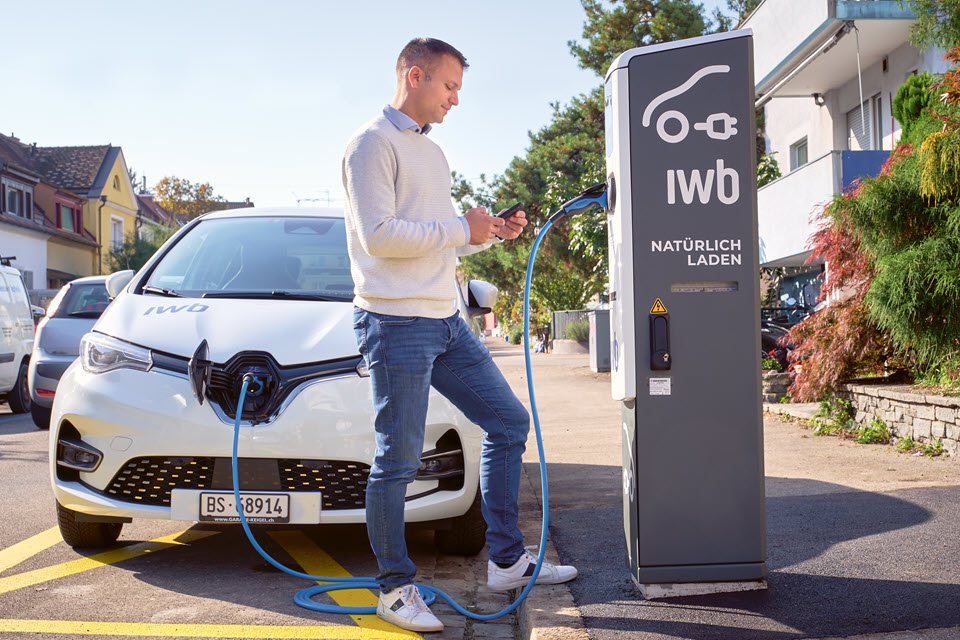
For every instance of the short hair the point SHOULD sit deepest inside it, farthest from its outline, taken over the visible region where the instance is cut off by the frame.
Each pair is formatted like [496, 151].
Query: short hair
[423, 53]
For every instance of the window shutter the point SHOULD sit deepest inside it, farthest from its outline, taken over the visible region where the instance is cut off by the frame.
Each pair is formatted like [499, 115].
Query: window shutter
[59, 215]
[3, 198]
[28, 212]
[858, 129]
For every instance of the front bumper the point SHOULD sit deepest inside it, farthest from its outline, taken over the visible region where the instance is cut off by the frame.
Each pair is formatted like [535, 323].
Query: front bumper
[152, 433]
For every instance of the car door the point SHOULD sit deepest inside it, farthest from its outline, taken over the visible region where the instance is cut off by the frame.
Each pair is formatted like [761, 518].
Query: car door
[22, 314]
[9, 337]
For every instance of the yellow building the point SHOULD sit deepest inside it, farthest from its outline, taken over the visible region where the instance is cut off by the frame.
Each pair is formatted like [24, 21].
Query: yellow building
[99, 174]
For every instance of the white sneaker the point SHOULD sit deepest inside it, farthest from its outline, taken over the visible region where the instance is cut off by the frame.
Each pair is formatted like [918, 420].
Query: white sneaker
[405, 608]
[519, 574]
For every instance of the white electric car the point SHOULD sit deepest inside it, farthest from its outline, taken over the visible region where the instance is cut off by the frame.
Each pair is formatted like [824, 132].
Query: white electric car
[142, 423]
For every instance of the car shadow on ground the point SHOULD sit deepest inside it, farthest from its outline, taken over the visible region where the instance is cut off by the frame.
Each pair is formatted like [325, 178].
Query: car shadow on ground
[11, 424]
[841, 562]
[227, 568]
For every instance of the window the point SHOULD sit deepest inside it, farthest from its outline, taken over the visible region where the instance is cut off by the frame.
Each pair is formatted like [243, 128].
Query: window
[225, 256]
[17, 199]
[863, 125]
[798, 153]
[84, 300]
[116, 233]
[116, 182]
[67, 218]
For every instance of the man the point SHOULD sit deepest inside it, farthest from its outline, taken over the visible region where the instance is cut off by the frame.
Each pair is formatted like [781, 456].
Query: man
[404, 236]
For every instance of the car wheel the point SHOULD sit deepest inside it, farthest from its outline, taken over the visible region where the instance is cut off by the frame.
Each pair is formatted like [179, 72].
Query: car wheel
[19, 396]
[41, 416]
[85, 535]
[466, 535]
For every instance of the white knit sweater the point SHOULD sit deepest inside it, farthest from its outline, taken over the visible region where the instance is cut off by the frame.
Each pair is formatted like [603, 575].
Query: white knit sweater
[403, 232]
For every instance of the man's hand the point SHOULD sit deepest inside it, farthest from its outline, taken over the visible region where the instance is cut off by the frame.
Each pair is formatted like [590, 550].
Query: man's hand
[483, 227]
[514, 226]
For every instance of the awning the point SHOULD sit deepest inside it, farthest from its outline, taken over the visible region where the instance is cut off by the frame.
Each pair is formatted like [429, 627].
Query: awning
[829, 58]
[797, 260]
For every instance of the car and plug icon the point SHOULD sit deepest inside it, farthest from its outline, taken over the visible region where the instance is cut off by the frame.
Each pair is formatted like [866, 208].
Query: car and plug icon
[727, 123]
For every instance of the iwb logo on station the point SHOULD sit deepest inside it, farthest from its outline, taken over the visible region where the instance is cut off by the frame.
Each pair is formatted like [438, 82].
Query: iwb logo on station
[691, 183]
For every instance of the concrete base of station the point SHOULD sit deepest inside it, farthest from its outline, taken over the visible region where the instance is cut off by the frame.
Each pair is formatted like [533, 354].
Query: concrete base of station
[681, 589]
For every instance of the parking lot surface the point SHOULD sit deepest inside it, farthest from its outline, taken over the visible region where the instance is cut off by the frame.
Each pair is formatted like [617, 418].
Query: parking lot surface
[179, 579]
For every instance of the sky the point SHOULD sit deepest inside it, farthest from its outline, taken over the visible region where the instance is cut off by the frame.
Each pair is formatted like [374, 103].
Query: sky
[260, 98]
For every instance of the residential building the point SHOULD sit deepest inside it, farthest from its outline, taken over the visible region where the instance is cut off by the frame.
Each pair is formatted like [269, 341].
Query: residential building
[100, 175]
[40, 222]
[826, 73]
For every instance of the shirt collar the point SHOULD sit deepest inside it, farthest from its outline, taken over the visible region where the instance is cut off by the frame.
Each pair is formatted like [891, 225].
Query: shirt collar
[402, 121]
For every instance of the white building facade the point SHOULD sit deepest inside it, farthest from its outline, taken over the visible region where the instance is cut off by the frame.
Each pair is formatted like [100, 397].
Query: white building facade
[826, 73]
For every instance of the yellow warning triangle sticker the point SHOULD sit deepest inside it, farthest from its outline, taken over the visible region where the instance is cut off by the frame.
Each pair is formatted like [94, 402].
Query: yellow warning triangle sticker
[658, 307]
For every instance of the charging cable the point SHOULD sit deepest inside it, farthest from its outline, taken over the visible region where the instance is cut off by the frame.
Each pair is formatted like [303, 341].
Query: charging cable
[304, 598]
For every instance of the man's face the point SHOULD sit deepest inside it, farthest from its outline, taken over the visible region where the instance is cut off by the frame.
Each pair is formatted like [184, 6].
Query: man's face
[436, 96]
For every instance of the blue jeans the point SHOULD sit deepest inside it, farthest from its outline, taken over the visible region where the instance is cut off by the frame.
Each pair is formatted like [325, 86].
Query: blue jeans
[406, 356]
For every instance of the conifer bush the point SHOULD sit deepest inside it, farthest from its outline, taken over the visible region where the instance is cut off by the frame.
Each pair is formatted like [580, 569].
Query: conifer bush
[893, 248]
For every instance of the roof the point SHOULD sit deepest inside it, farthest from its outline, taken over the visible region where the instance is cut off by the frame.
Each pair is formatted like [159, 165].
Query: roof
[15, 153]
[152, 209]
[78, 169]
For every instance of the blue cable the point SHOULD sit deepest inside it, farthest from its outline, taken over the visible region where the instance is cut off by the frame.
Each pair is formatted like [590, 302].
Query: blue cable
[305, 599]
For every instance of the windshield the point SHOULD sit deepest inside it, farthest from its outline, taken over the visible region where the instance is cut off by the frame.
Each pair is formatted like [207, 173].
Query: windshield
[87, 300]
[224, 256]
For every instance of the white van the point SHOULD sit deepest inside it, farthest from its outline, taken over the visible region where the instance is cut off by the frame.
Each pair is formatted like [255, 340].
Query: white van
[16, 339]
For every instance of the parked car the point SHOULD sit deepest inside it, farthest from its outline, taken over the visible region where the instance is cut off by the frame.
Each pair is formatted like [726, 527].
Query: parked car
[70, 315]
[16, 339]
[142, 422]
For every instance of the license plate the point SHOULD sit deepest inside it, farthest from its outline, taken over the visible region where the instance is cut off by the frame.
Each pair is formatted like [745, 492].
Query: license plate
[259, 508]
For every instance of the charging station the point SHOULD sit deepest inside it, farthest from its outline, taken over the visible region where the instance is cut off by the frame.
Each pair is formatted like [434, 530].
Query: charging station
[685, 313]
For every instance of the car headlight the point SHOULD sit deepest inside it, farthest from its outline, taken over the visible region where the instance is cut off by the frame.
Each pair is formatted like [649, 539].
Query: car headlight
[100, 353]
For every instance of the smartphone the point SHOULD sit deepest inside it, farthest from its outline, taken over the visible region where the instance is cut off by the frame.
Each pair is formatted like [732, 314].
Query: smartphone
[506, 213]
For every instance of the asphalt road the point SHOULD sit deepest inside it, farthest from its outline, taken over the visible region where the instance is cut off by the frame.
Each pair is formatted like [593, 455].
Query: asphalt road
[860, 539]
[180, 579]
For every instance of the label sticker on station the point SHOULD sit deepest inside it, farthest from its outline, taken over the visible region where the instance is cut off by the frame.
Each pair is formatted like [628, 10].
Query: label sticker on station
[660, 386]
[658, 307]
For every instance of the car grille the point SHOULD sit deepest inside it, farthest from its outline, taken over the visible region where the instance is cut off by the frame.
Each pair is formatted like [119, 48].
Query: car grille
[342, 484]
[149, 480]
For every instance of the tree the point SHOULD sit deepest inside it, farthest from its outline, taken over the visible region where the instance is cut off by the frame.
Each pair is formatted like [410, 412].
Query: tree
[893, 245]
[135, 251]
[565, 156]
[182, 197]
[628, 24]
[742, 8]
[551, 172]
[938, 23]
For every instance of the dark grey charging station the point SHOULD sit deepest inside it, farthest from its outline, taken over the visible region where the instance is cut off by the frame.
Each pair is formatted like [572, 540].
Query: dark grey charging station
[685, 336]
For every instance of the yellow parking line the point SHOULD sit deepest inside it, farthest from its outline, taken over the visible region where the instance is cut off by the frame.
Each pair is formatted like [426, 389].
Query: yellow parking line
[14, 555]
[29, 578]
[318, 562]
[173, 630]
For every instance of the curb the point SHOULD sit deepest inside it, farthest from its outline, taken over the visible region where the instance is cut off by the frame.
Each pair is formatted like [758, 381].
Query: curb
[549, 612]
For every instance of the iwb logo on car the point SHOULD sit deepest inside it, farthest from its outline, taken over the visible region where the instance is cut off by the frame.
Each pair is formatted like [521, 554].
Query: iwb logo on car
[193, 308]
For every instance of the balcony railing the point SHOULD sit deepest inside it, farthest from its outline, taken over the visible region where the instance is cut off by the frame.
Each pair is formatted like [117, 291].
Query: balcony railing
[786, 207]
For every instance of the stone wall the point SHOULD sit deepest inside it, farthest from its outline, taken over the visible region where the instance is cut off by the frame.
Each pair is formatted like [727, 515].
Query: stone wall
[924, 418]
[775, 385]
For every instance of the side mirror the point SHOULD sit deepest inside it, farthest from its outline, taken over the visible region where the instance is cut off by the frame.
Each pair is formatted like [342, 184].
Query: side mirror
[38, 312]
[117, 281]
[480, 297]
